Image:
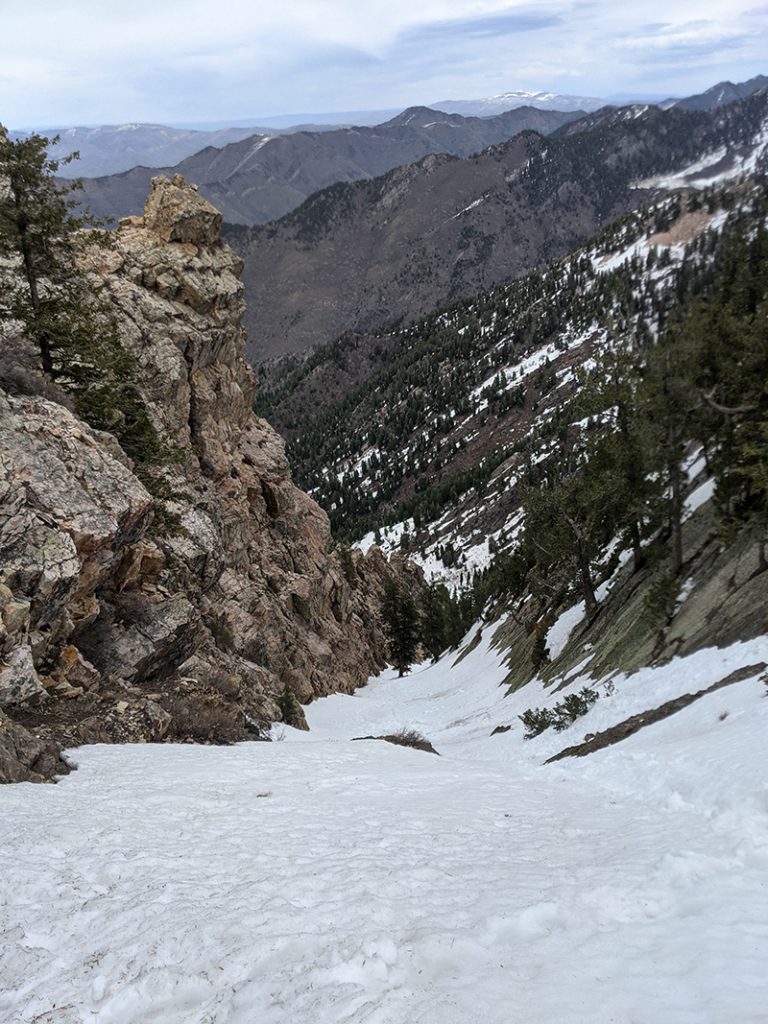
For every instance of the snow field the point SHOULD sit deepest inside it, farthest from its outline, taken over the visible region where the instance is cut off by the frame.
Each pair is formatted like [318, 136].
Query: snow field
[319, 880]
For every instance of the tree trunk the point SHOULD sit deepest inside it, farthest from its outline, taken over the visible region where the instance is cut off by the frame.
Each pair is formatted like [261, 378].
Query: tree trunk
[634, 472]
[587, 584]
[676, 481]
[638, 556]
[41, 336]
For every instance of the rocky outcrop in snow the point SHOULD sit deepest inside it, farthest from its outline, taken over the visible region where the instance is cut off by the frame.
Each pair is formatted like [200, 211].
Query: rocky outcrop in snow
[112, 628]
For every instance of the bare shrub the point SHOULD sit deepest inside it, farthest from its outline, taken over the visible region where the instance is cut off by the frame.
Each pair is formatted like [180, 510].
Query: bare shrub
[405, 738]
[203, 719]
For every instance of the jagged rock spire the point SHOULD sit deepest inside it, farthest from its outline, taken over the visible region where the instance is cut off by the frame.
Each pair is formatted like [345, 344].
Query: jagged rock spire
[176, 212]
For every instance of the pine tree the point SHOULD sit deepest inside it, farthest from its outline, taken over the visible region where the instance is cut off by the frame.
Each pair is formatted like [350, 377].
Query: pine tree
[632, 489]
[37, 225]
[289, 708]
[730, 334]
[570, 516]
[401, 625]
[75, 333]
[435, 619]
[348, 566]
[669, 402]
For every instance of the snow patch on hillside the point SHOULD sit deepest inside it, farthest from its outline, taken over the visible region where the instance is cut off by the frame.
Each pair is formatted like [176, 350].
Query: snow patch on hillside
[471, 206]
[560, 631]
[714, 168]
[702, 494]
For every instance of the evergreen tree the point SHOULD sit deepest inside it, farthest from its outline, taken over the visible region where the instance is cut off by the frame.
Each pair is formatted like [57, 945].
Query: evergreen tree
[570, 515]
[730, 376]
[348, 566]
[289, 707]
[37, 225]
[401, 625]
[633, 490]
[435, 624]
[75, 333]
[669, 402]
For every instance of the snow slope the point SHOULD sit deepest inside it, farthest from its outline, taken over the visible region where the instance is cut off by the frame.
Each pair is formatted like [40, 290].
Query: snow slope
[320, 880]
[716, 167]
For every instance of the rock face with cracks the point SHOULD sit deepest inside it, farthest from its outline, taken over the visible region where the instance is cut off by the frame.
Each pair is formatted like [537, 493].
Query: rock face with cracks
[114, 628]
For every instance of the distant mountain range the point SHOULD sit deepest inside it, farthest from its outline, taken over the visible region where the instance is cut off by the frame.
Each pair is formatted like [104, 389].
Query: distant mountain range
[492, 105]
[263, 177]
[110, 149]
[717, 96]
[312, 121]
[371, 225]
[358, 256]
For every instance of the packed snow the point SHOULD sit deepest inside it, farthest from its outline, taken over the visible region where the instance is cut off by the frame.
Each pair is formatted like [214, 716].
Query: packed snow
[321, 880]
[700, 496]
[560, 631]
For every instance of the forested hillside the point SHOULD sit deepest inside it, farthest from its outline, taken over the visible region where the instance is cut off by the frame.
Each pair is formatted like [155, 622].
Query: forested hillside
[508, 440]
[366, 255]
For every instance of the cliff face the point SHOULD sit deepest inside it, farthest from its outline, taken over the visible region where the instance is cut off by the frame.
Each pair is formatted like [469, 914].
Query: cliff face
[116, 624]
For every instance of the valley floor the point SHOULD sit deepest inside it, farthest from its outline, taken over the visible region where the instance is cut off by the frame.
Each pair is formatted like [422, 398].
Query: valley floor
[320, 881]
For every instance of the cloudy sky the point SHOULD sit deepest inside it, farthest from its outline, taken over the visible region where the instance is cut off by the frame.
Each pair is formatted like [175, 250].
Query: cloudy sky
[174, 61]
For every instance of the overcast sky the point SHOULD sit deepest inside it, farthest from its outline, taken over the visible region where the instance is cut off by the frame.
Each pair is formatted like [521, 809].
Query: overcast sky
[110, 61]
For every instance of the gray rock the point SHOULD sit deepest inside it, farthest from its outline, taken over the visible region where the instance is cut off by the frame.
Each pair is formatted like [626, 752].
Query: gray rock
[219, 612]
[24, 757]
[19, 680]
[158, 721]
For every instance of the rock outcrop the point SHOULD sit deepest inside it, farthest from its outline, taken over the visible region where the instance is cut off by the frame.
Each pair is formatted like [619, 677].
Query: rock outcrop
[128, 617]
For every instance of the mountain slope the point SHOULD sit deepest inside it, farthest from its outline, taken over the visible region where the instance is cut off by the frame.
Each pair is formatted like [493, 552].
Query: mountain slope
[358, 256]
[453, 433]
[431, 421]
[721, 94]
[112, 149]
[263, 177]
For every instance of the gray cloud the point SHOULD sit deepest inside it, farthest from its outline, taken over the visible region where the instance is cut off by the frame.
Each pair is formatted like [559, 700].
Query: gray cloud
[504, 24]
[88, 61]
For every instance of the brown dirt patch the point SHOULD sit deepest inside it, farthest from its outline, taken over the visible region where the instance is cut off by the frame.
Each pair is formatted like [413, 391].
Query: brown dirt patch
[685, 228]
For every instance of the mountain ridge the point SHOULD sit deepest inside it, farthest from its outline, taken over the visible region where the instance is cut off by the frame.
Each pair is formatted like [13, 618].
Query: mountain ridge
[542, 100]
[719, 95]
[260, 178]
[360, 255]
[115, 149]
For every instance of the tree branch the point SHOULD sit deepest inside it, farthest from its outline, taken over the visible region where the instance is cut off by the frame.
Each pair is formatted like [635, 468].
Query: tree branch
[726, 410]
